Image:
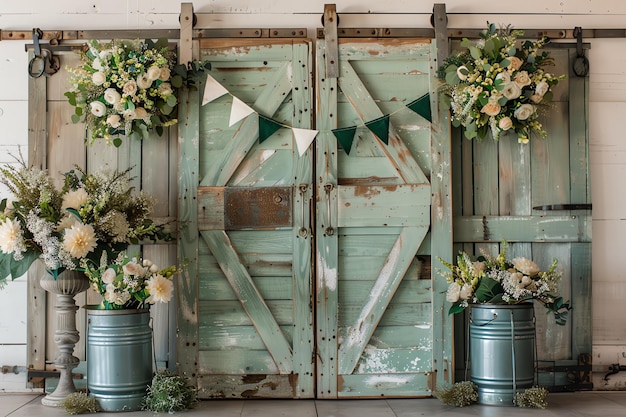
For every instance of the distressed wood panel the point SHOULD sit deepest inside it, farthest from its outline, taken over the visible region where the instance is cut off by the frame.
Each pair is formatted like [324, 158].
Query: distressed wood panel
[247, 386]
[386, 385]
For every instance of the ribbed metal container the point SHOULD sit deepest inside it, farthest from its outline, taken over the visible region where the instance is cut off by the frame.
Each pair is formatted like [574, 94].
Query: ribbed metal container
[502, 345]
[119, 357]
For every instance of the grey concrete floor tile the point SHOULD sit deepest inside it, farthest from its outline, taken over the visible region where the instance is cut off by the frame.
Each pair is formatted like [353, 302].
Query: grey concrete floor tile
[278, 408]
[353, 408]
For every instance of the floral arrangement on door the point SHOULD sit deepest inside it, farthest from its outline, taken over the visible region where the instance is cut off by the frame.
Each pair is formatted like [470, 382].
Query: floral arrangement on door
[499, 84]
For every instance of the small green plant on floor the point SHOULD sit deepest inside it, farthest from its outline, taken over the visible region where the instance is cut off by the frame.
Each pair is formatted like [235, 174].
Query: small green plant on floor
[459, 394]
[169, 393]
[79, 403]
[534, 397]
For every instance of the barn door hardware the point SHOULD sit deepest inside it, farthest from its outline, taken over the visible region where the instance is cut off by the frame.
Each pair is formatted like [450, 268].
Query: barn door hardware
[581, 63]
[578, 375]
[552, 207]
[43, 63]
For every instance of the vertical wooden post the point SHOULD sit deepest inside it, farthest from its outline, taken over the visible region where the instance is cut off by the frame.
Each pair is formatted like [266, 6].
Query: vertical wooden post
[188, 140]
[331, 54]
[440, 20]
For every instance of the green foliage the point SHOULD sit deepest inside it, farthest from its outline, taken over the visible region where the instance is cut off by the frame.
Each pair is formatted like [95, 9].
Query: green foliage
[79, 403]
[460, 394]
[169, 393]
[534, 397]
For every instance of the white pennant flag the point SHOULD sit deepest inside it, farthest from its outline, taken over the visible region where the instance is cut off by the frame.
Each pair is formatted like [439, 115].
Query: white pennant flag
[304, 138]
[212, 90]
[238, 111]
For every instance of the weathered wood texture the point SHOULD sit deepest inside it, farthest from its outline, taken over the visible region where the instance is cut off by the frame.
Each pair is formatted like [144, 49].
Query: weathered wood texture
[503, 182]
[253, 264]
[375, 301]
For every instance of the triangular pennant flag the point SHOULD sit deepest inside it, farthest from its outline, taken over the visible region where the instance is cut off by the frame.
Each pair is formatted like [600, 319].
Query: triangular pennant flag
[345, 137]
[267, 127]
[212, 90]
[303, 138]
[238, 111]
[380, 127]
[421, 106]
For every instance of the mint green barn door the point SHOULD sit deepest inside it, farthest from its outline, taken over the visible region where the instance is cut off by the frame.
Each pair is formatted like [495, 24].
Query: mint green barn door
[537, 197]
[246, 318]
[382, 217]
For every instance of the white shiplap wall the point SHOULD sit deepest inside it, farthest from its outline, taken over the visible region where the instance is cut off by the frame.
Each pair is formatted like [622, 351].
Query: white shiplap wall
[607, 111]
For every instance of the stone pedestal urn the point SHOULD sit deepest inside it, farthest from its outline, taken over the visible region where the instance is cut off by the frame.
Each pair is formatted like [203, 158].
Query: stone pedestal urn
[65, 286]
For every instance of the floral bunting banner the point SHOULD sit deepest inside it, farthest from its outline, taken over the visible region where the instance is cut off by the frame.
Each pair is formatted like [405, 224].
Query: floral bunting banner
[238, 111]
[212, 90]
[421, 106]
[345, 137]
[267, 127]
[380, 127]
[304, 137]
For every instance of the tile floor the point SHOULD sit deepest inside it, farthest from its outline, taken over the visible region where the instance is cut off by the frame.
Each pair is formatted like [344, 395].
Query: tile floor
[580, 404]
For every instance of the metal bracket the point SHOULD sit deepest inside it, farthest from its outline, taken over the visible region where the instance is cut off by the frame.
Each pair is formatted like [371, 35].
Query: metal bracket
[331, 53]
[581, 63]
[579, 376]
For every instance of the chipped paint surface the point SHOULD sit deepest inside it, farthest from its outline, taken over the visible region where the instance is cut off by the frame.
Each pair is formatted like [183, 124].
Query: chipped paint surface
[328, 275]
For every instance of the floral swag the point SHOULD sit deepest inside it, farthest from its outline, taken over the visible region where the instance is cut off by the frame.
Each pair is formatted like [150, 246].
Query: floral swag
[498, 84]
[128, 88]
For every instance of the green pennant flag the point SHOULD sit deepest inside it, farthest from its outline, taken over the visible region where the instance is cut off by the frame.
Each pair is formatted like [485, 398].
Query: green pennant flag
[267, 127]
[421, 106]
[345, 137]
[380, 127]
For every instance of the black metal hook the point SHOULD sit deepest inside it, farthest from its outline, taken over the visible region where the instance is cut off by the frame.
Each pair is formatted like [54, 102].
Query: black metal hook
[581, 63]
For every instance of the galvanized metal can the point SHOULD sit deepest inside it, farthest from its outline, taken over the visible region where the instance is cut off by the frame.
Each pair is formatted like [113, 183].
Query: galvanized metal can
[119, 357]
[502, 351]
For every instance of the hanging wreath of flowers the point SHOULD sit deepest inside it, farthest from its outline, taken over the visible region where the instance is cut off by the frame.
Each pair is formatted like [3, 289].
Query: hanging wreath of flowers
[498, 84]
[124, 87]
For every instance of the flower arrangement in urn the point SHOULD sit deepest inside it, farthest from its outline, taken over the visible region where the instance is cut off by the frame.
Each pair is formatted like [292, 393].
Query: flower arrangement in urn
[124, 87]
[88, 215]
[498, 84]
[129, 282]
[498, 280]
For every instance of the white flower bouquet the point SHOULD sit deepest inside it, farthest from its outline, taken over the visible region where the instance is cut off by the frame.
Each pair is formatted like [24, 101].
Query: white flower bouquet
[129, 282]
[497, 280]
[90, 214]
[498, 84]
[125, 87]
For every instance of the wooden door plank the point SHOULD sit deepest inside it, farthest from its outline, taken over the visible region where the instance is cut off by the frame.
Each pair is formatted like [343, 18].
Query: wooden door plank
[250, 298]
[563, 228]
[384, 205]
[390, 276]
[187, 283]
[396, 151]
[386, 385]
[441, 236]
[326, 254]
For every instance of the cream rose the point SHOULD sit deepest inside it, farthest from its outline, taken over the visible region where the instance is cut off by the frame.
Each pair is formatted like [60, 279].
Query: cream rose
[112, 96]
[165, 89]
[114, 120]
[153, 73]
[524, 111]
[504, 76]
[133, 268]
[522, 79]
[108, 276]
[516, 63]
[526, 266]
[98, 78]
[98, 108]
[129, 114]
[511, 91]
[492, 108]
[164, 74]
[144, 82]
[130, 88]
[505, 123]
[140, 113]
